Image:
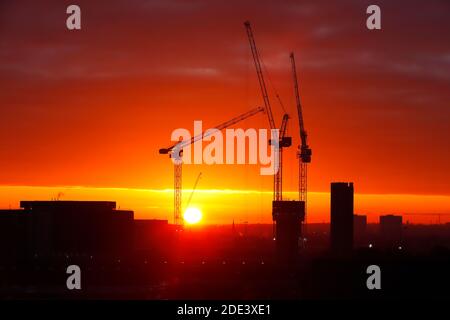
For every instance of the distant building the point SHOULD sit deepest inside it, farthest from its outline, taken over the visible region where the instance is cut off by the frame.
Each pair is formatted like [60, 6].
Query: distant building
[391, 230]
[341, 226]
[359, 229]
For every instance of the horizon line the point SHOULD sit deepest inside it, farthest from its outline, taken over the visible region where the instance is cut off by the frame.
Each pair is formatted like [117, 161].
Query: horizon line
[212, 190]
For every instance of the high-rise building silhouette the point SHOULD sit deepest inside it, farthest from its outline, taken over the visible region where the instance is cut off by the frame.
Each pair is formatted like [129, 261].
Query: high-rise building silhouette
[341, 228]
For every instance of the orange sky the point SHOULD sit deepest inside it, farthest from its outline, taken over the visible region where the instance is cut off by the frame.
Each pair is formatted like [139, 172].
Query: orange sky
[91, 108]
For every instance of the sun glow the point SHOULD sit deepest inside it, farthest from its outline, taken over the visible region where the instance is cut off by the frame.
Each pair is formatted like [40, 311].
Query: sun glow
[192, 215]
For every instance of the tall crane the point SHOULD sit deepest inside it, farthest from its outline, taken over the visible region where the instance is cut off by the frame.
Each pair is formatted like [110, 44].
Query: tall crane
[304, 153]
[283, 141]
[176, 152]
[262, 83]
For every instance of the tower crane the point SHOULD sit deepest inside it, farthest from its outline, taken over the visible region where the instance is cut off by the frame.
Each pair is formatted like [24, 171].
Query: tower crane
[283, 140]
[176, 152]
[304, 153]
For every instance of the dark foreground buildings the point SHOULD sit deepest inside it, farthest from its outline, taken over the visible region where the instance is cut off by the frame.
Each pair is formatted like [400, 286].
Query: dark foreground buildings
[214, 262]
[54, 228]
[78, 226]
[341, 227]
[14, 226]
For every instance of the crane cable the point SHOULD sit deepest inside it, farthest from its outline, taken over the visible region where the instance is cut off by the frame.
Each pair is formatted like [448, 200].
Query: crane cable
[272, 86]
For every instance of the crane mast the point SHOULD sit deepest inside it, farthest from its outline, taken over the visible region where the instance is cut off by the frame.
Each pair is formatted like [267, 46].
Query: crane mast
[304, 153]
[177, 183]
[282, 140]
[175, 151]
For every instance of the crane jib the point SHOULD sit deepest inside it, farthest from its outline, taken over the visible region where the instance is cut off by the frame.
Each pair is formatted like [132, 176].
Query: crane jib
[181, 144]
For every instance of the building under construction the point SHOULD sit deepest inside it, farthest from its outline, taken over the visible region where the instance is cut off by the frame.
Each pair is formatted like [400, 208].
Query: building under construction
[288, 217]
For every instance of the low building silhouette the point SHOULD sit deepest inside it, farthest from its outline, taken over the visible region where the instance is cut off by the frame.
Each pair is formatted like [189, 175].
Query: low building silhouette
[152, 236]
[359, 229]
[48, 228]
[78, 227]
[391, 230]
[45, 229]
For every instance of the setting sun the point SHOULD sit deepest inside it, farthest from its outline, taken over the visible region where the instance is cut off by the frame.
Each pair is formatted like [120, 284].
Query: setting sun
[192, 215]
